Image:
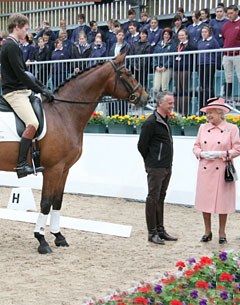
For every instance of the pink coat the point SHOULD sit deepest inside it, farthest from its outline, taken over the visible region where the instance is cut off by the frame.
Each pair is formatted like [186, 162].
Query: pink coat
[213, 194]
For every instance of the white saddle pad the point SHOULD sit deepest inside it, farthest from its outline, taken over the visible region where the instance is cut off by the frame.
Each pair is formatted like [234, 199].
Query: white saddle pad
[8, 130]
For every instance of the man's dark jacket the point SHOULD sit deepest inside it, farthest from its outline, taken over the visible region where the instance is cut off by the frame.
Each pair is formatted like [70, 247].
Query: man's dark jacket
[155, 142]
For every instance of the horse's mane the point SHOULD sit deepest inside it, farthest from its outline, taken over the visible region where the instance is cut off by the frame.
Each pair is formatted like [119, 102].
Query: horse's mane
[78, 74]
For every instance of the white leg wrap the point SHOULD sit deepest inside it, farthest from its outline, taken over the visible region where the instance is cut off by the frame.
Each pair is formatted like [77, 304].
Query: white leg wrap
[55, 221]
[41, 223]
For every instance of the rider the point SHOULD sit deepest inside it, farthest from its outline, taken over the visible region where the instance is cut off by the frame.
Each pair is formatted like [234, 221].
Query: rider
[17, 86]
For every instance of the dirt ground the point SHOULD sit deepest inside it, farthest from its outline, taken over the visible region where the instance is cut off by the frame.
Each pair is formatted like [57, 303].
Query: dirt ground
[95, 264]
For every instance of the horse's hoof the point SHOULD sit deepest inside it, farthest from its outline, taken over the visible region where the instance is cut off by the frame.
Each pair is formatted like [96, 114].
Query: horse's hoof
[44, 249]
[61, 243]
[44, 246]
[60, 240]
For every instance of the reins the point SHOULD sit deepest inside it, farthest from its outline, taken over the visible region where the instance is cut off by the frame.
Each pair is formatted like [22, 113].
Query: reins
[131, 91]
[82, 102]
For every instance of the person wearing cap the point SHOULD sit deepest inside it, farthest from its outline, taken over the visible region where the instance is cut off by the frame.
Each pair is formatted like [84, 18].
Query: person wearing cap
[213, 194]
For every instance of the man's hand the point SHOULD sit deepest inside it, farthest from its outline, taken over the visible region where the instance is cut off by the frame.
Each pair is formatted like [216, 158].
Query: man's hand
[48, 94]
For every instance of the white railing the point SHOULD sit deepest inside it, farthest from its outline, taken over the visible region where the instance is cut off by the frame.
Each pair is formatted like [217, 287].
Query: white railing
[187, 101]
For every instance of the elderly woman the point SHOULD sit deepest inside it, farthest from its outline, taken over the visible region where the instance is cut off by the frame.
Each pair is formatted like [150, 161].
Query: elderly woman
[213, 194]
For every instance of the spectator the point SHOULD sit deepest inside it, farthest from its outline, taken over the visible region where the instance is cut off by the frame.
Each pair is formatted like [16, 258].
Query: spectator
[231, 38]
[67, 44]
[42, 53]
[59, 70]
[156, 147]
[154, 32]
[133, 34]
[94, 30]
[114, 27]
[63, 29]
[139, 66]
[48, 42]
[131, 18]
[177, 26]
[183, 64]
[98, 48]
[194, 30]
[27, 47]
[99, 35]
[45, 28]
[205, 15]
[185, 21]
[2, 39]
[120, 46]
[82, 49]
[145, 21]
[207, 65]
[82, 27]
[217, 24]
[163, 64]
[213, 194]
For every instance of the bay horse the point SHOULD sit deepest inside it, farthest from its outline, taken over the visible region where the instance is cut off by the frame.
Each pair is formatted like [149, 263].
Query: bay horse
[66, 117]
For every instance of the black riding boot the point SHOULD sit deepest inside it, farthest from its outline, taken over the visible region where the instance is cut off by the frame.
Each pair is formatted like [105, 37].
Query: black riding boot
[23, 168]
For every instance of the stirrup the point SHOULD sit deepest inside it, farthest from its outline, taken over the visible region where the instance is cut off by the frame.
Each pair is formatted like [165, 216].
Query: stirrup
[38, 169]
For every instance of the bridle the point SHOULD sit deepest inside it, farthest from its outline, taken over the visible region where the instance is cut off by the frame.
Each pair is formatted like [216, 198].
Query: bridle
[133, 98]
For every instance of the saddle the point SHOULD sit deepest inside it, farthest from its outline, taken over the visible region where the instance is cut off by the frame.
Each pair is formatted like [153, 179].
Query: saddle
[38, 110]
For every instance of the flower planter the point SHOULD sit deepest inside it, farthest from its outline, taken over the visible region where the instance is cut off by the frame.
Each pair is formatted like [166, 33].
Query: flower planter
[120, 129]
[191, 131]
[95, 128]
[137, 129]
[176, 130]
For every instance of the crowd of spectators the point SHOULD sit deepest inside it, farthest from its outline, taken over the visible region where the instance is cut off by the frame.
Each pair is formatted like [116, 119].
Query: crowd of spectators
[145, 36]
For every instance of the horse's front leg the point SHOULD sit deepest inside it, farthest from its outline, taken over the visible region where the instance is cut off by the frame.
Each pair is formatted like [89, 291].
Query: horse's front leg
[52, 193]
[60, 240]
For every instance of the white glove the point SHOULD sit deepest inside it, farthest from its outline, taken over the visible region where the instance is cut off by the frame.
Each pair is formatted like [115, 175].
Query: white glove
[210, 155]
[214, 154]
[204, 154]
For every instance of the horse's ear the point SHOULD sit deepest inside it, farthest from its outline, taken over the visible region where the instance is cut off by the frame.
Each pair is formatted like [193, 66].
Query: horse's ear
[120, 58]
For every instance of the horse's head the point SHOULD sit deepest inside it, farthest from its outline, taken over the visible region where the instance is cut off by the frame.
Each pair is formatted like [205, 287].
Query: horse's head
[125, 85]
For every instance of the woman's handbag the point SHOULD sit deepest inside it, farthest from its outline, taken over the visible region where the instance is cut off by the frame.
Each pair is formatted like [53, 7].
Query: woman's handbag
[230, 174]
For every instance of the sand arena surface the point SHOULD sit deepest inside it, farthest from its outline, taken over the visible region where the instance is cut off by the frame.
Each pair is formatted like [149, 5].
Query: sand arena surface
[95, 264]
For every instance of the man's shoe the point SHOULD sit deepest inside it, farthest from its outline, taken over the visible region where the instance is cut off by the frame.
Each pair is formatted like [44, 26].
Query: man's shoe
[164, 235]
[155, 239]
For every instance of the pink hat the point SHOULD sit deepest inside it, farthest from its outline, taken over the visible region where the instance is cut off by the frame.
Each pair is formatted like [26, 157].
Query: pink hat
[216, 103]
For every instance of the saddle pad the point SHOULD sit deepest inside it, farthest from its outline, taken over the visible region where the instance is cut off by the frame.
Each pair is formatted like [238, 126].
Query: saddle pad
[8, 130]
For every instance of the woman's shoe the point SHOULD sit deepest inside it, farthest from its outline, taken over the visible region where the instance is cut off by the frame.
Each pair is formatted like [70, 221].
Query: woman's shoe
[222, 240]
[206, 238]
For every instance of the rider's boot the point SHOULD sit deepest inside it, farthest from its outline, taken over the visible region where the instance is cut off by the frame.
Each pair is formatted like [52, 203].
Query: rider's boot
[23, 168]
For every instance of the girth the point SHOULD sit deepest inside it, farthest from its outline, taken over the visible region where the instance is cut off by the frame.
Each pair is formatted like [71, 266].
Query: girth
[38, 110]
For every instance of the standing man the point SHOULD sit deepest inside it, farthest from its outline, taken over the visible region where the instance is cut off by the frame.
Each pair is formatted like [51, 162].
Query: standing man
[17, 86]
[156, 147]
[231, 39]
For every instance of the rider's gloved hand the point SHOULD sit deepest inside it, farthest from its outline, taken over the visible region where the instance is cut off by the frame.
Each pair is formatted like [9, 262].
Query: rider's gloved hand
[48, 94]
